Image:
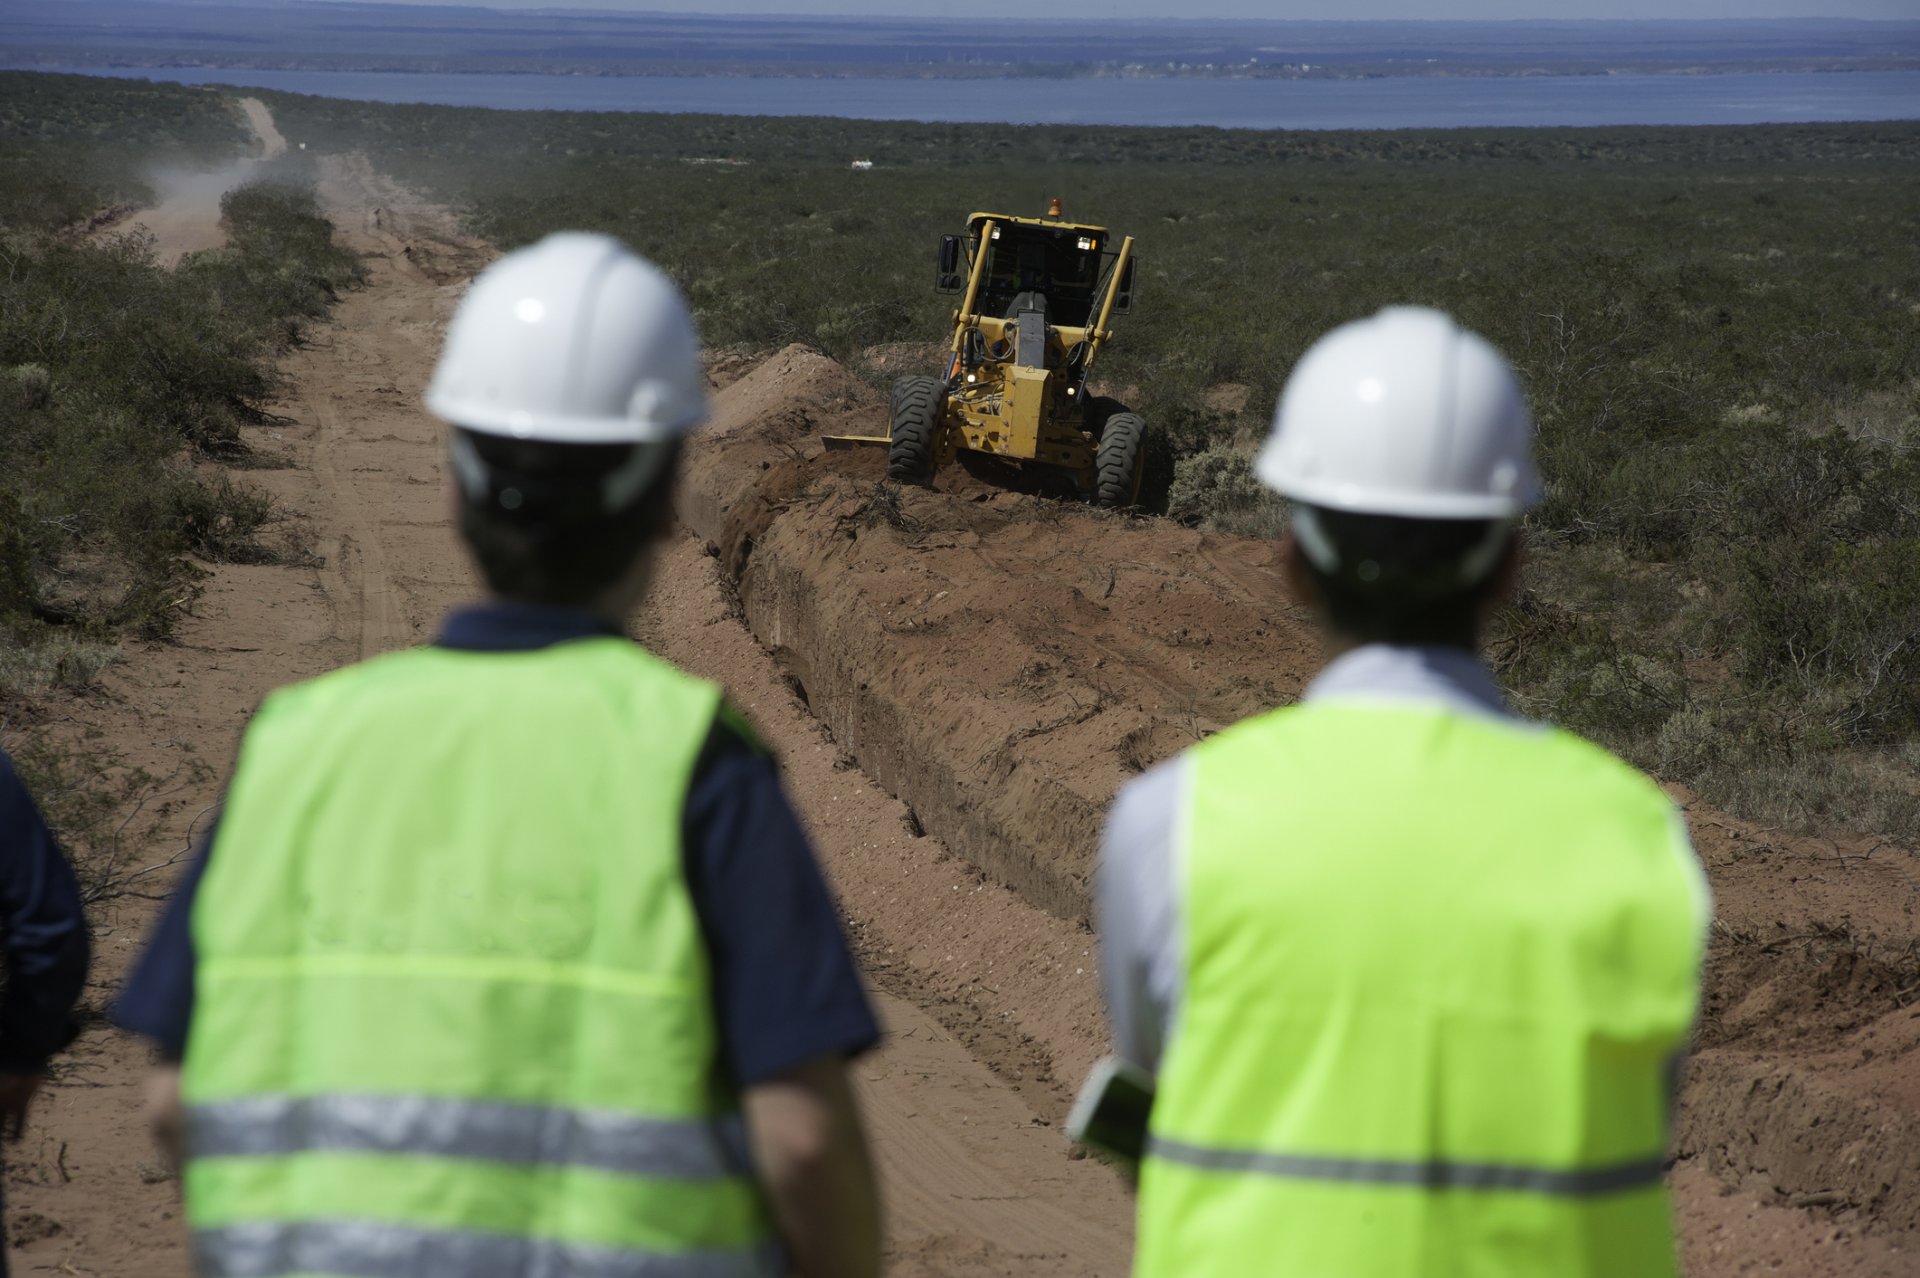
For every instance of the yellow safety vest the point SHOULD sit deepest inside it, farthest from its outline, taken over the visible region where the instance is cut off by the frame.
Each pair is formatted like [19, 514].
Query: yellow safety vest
[452, 1012]
[1436, 969]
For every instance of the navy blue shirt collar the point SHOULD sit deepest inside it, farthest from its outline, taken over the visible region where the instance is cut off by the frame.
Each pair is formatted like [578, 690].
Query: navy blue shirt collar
[502, 625]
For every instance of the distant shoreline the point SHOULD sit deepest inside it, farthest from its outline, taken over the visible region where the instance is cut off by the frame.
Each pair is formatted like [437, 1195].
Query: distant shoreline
[1417, 103]
[40, 59]
[270, 35]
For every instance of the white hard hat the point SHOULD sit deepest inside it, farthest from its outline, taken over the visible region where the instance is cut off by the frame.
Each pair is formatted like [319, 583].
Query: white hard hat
[574, 340]
[1407, 414]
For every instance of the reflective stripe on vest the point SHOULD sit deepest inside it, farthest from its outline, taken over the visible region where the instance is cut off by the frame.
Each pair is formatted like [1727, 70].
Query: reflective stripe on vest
[1435, 966]
[370, 1249]
[1423, 1175]
[452, 1127]
[452, 1007]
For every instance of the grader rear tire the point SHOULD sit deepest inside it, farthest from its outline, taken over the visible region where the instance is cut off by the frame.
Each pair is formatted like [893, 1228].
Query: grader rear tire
[1120, 461]
[916, 424]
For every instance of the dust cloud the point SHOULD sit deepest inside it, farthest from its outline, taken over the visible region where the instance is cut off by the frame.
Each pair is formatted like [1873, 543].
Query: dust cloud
[185, 216]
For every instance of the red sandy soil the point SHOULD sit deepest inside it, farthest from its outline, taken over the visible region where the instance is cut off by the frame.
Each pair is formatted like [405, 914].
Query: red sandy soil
[1003, 662]
[955, 681]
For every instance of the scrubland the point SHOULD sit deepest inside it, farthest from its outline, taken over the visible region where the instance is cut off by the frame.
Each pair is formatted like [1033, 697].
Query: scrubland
[124, 387]
[1719, 329]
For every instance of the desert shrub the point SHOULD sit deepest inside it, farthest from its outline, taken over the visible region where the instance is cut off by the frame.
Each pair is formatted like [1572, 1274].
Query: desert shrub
[120, 372]
[72, 145]
[281, 263]
[1217, 490]
[1837, 627]
[1714, 325]
[219, 520]
[122, 382]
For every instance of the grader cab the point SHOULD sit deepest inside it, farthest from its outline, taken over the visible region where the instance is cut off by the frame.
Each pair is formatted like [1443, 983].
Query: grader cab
[1038, 297]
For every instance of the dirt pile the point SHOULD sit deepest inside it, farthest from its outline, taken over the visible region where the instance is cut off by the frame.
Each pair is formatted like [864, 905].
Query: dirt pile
[1003, 662]
[1806, 1083]
[1000, 661]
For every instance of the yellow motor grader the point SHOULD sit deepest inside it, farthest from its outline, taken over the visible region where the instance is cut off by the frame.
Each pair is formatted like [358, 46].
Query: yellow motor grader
[1040, 294]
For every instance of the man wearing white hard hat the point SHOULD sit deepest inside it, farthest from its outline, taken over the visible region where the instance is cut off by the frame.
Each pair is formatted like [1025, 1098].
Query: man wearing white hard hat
[1403, 977]
[508, 956]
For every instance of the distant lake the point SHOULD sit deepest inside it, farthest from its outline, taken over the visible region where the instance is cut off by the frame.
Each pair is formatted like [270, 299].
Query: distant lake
[1412, 102]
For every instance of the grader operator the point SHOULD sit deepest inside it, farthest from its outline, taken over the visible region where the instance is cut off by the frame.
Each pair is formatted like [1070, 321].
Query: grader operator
[1039, 296]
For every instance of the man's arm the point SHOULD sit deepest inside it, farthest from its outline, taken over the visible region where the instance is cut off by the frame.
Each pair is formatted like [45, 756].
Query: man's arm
[157, 1004]
[167, 1114]
[157, 1000]
[44, 928]
[811, 1155]
[1136, 913]
[788, 1004]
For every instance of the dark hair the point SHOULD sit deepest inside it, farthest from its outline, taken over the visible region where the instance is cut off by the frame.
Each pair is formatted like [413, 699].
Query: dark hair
[536, 517]
[1408, 581]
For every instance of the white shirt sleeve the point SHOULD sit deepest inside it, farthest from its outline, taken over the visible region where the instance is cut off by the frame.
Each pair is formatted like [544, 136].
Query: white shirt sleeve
[1696, 875]
[1137, 912]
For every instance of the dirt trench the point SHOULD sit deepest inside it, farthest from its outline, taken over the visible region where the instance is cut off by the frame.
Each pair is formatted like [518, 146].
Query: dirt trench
[1002, 663]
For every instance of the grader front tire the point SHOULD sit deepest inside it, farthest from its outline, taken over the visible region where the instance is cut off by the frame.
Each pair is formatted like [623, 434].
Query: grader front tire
[1120, 461]
[915, 429]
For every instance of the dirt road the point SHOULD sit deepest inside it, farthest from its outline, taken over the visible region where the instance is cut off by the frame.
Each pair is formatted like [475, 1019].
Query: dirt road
[186, 217]
[980, 1182]
[985, 979]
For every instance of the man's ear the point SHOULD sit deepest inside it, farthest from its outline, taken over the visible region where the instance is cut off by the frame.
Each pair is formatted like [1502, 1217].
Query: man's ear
[664, 497]
[1298, 574]
[1506, 574]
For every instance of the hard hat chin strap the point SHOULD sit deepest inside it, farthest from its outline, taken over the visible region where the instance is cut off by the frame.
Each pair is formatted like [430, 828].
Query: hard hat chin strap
[1477, 563]
[1469, 569]
[1314, 542]
[548, 497]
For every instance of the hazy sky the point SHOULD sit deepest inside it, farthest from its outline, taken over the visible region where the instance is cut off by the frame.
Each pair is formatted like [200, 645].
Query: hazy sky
[1445, 9]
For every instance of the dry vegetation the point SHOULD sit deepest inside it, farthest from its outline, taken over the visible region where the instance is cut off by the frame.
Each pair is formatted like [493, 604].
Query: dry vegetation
[123, 390]
[1717, 327]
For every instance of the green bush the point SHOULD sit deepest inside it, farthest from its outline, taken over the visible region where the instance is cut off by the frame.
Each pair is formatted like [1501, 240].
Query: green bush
[119, 372]
[120, 380]
[1217, 490]
[1715, 327]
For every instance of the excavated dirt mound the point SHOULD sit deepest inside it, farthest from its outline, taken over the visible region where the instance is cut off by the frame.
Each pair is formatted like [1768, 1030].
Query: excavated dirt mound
[1003, 662]
[1807, 1081]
